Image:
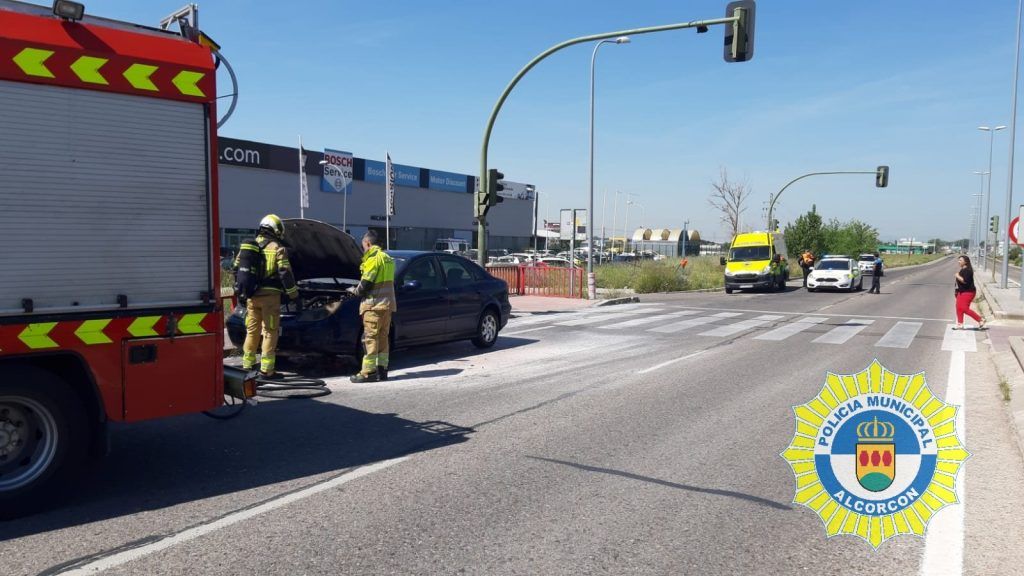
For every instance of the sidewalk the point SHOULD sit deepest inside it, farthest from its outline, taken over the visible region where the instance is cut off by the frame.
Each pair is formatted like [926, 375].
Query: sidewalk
[525, 305]
[1004, 302]
[1006, 338]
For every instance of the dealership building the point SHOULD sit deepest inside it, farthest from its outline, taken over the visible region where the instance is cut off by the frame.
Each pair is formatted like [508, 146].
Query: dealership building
[258, 179]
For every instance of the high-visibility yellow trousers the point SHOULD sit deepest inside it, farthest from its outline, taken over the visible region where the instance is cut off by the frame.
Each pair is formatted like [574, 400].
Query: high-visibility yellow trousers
[376, 326]
[262, 321]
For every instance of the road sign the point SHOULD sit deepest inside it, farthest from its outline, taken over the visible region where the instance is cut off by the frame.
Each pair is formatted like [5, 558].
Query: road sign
[567, 228]
[1013, 230]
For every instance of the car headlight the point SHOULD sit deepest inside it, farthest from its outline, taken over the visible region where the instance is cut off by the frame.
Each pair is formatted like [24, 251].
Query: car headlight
[766, 269]
[728, 272]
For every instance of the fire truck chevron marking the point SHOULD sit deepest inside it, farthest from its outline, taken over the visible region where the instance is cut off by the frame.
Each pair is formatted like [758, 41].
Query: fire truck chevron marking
[189, 324]
[32, 62]
[87, 68]
[138, 76]
[36, 336]
[91, 332]
[186, 81]
[143, 326]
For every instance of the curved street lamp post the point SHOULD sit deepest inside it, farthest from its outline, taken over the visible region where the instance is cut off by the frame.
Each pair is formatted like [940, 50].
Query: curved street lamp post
[741, 48]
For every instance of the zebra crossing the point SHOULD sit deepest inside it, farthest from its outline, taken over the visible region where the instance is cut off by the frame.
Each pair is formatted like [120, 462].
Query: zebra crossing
[823, 329]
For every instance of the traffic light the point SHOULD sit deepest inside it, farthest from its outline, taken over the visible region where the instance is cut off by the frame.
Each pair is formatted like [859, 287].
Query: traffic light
[493, 187]
[882, 177]
[993, 224]
[739, 38]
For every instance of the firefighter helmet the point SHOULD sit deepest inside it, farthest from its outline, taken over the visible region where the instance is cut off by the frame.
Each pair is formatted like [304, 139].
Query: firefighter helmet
[271, 223]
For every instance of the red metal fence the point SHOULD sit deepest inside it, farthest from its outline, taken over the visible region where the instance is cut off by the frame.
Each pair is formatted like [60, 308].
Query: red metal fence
[542, 280]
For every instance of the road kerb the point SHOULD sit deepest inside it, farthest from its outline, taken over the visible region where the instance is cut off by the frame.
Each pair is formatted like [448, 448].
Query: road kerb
[1010, 365]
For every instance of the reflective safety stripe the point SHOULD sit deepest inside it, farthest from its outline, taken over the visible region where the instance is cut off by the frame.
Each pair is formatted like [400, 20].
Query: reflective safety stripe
[189, 324]
[382, 360]
[32, 62]
[267, 364]
[36, 336]
[143, 326]
[91, 332]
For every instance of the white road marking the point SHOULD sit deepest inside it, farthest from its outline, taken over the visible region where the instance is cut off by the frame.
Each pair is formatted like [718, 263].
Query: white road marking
[944, 541]
[225, 521]
[708, 308]
[741, 326]
[692, 322]
[592, 319]
[783, 332]
[647, 320]
[959, 340]
[900, 336]
[842, 334]
[527, 330]
[670, 362]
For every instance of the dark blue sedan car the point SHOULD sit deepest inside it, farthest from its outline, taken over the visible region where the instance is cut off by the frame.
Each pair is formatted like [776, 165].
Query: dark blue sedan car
[441, 297]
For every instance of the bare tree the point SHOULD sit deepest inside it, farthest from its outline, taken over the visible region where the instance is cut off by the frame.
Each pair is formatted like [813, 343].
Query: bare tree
[729, 197]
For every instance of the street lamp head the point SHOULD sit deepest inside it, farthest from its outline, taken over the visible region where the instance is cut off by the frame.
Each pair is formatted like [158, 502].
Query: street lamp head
[622, 40]
[986, 173]
[988, 129]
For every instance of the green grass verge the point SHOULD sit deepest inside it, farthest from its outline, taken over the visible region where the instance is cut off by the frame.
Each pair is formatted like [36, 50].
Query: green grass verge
[647, 277]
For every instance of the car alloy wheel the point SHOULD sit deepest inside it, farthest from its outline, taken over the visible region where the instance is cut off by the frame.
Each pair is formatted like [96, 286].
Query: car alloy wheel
[487, 330]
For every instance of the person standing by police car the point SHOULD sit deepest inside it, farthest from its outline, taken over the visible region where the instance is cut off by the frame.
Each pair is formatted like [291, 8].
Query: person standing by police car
[262, 275]
[876, 275]
[377, 289]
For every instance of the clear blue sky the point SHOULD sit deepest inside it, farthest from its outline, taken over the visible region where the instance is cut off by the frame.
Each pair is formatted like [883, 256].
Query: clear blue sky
[832, 86]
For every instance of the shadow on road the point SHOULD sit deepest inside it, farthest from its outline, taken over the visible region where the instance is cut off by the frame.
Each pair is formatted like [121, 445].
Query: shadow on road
[631, 476]
[403, 359]
[164, 463]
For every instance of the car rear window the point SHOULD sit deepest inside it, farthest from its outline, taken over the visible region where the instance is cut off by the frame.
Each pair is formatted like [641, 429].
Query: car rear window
[833, 265]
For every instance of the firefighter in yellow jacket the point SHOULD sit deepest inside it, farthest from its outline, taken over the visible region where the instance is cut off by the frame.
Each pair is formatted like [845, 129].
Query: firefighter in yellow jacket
[377, 289]
[263, 309]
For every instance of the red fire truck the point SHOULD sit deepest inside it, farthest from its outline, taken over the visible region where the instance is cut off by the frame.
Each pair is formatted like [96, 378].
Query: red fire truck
[109, 308]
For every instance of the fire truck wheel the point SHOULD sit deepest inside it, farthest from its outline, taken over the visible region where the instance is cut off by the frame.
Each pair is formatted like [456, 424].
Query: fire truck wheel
[44, 439]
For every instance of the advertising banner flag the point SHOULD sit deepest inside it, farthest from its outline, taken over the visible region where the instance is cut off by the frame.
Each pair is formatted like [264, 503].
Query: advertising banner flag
[303, 188]
[389, 170]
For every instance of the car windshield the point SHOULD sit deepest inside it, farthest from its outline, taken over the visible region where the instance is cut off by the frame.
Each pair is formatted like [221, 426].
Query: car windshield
[750, 253]
[833, 265]
[867, 258]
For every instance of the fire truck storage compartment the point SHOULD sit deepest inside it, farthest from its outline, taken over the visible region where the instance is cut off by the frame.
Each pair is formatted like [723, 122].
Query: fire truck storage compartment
[157, 373]
[102, 194]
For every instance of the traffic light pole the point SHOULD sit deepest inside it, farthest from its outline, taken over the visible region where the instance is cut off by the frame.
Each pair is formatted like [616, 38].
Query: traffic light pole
[771, 206]
[481, 205]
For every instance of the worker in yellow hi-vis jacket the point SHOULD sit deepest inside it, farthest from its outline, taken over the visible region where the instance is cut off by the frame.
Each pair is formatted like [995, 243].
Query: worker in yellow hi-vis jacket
[377, 289]
[263, 309]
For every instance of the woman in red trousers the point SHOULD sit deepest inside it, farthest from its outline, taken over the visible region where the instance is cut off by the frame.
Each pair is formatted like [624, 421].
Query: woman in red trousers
[965, 292]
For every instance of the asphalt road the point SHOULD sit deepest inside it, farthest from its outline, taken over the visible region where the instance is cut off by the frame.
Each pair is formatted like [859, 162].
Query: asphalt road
[639, 439]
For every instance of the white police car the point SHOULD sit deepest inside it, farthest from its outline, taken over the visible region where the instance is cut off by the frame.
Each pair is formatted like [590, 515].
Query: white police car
[866, 264]
[835, 273]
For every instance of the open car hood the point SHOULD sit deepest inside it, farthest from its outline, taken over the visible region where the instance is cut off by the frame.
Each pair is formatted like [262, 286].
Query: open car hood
[319, 250]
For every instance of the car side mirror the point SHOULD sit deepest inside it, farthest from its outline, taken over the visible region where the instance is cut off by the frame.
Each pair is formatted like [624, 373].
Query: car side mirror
[721, 261]
[411, 285]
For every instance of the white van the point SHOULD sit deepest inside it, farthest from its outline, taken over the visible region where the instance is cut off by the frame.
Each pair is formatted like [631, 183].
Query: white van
[451, 245]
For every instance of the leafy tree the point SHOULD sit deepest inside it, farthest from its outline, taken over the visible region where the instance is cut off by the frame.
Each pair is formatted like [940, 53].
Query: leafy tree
[806, 233]
[853, 238]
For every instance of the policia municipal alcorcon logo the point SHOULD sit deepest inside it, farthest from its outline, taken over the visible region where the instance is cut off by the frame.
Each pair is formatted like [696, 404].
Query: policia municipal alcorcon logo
[875, 454]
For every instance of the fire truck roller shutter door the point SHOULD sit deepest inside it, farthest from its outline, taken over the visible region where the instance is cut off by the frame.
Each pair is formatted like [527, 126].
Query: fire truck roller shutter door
[103, 194]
